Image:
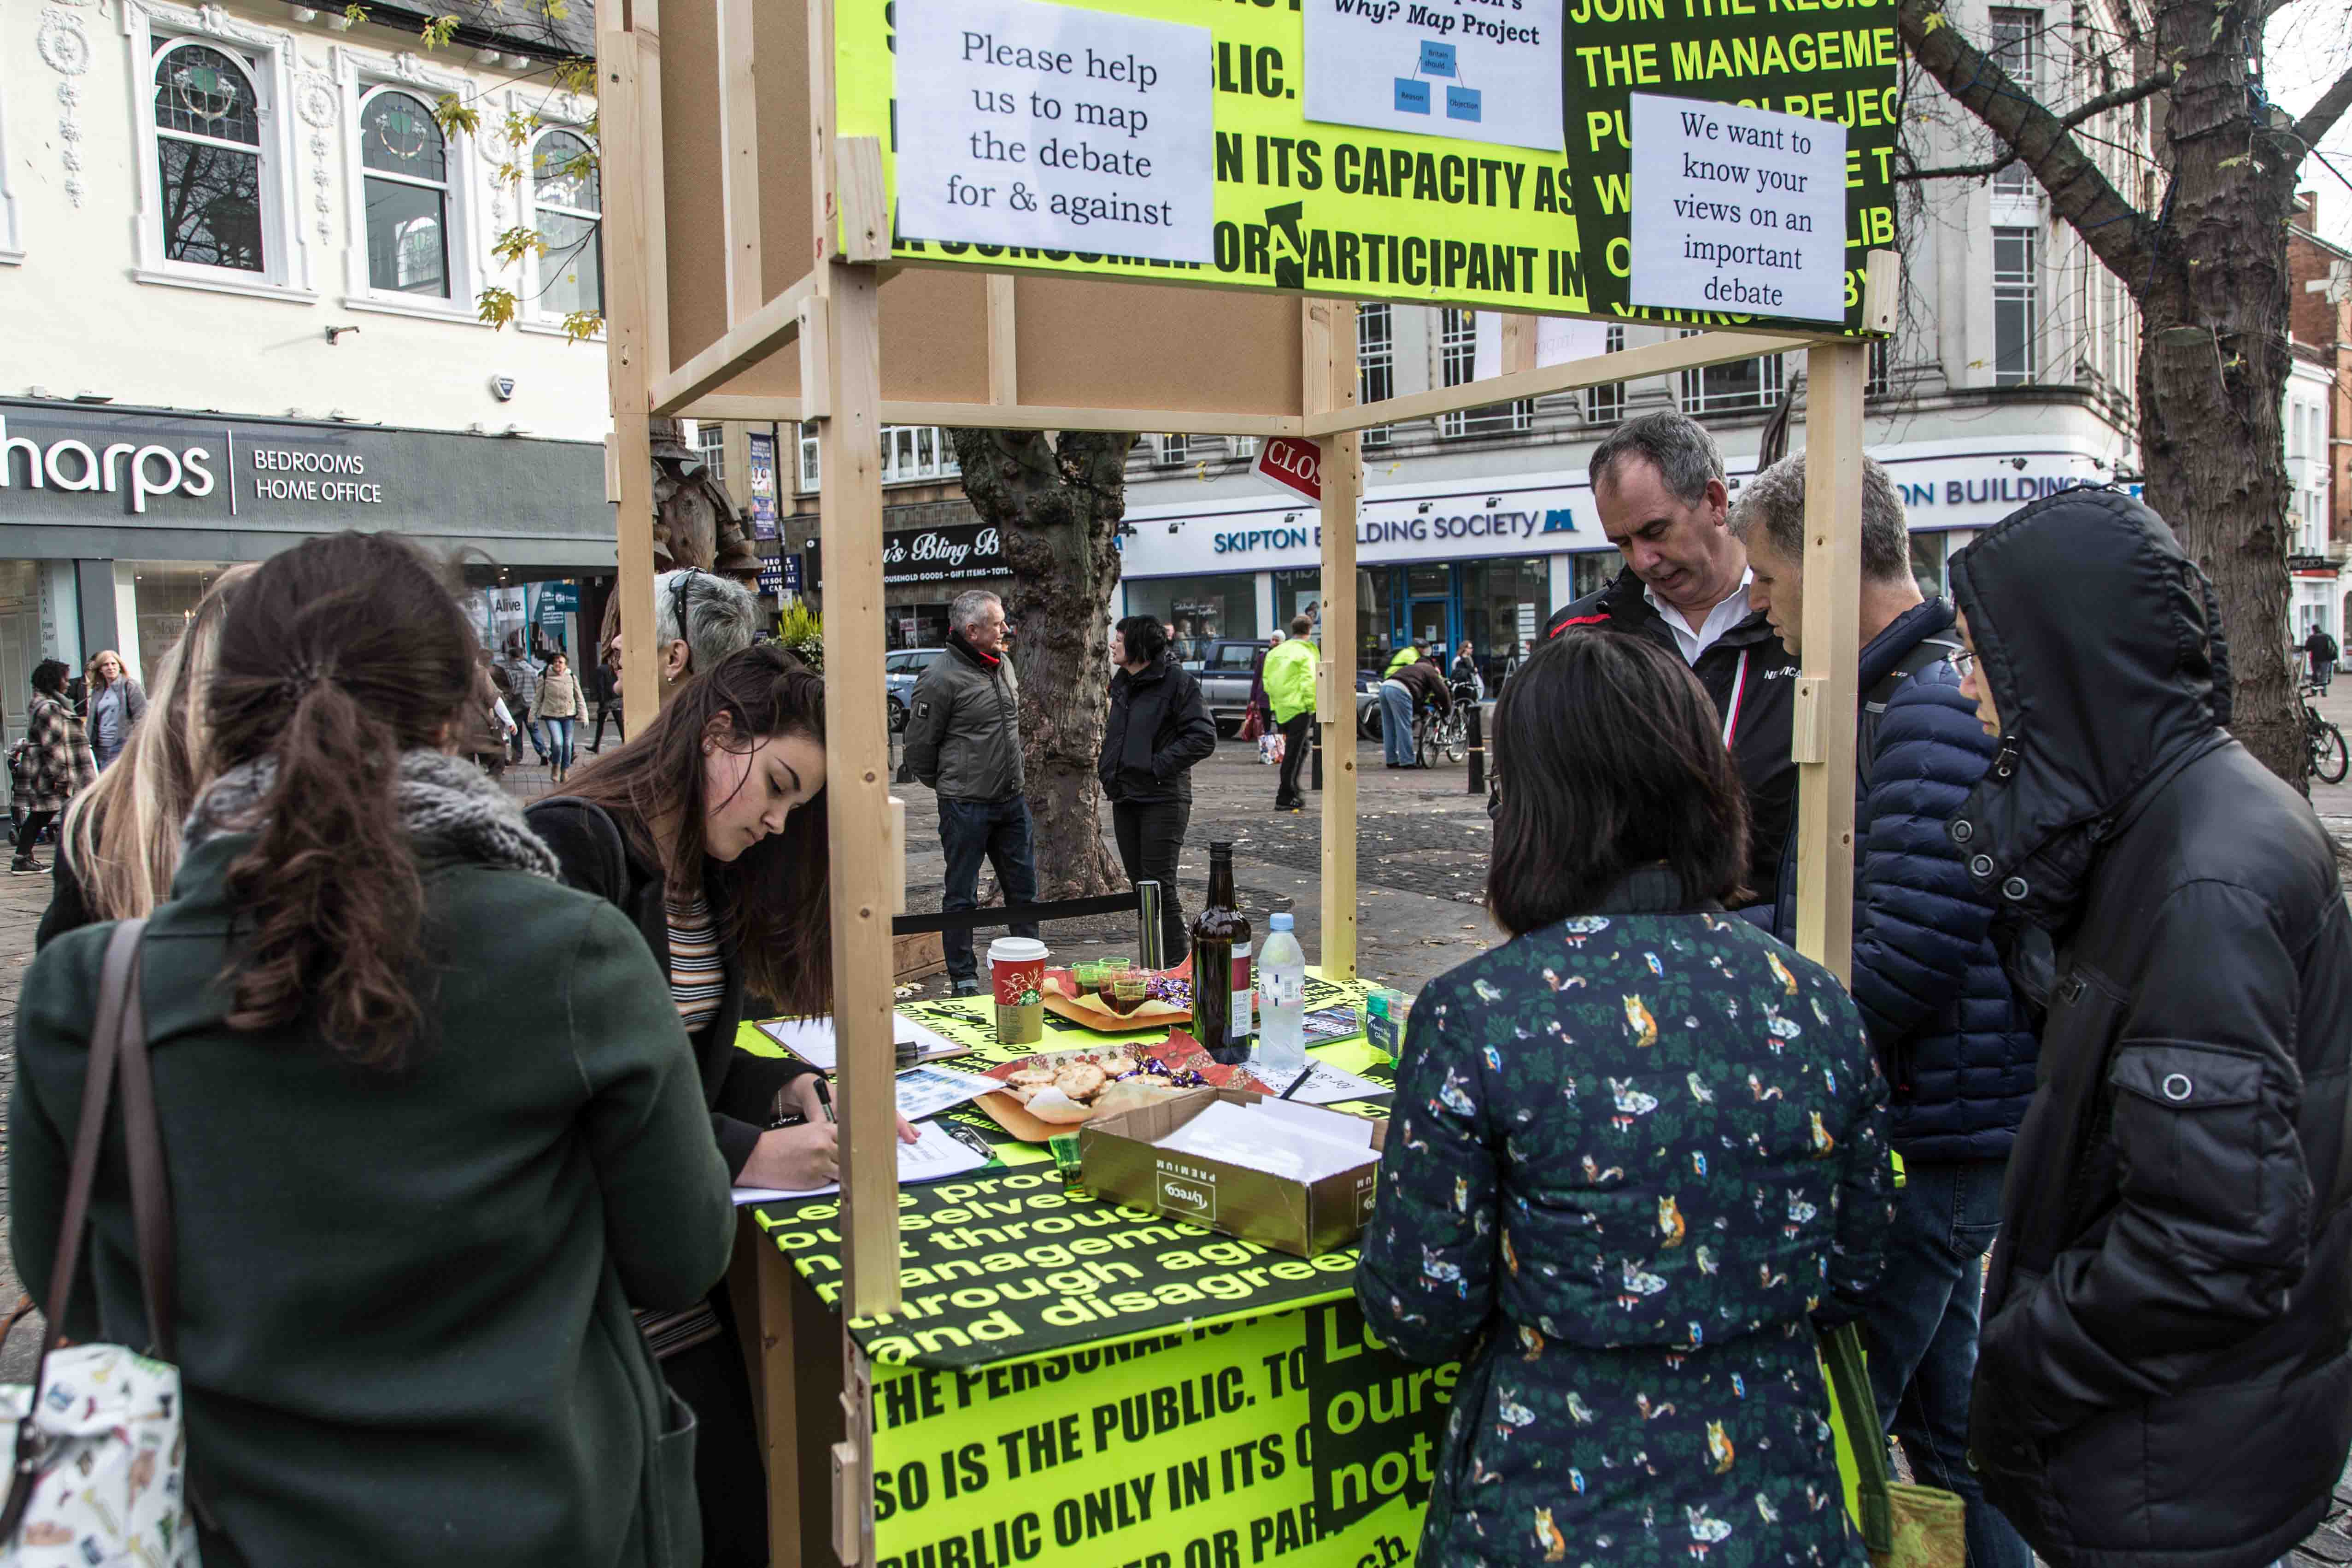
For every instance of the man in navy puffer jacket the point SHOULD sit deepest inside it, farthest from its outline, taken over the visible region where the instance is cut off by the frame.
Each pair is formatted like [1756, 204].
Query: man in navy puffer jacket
[1956, 1045]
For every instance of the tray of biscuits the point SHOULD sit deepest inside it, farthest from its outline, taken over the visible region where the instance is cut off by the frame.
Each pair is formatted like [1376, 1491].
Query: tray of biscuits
[1055, 1091]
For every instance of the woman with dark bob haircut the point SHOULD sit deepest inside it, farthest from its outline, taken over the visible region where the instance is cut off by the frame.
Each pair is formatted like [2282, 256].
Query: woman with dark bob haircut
[1639, 1153]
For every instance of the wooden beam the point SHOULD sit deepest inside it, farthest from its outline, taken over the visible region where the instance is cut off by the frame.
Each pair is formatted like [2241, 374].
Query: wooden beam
[644, 22]
[1003, 356]
[627, 360]
[1718, 347]
[766, 330]
[750, 408]
[1331, 386]
[778, 1388]
[1824, 742]
[1020, 417]
[865, 209]
[738, 123]
[1882, 291]
[1518, 343]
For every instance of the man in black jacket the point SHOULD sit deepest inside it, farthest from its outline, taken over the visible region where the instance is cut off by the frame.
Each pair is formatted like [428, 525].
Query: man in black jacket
[2164, 1376]
[1158, 729]
[1658, 482]
[2320, 649]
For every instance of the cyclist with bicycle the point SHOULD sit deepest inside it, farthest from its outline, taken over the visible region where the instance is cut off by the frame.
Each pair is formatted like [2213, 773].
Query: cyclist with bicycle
[1426, 692]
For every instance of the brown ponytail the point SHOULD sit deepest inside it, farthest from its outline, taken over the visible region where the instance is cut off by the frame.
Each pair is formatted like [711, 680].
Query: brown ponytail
[343, 653]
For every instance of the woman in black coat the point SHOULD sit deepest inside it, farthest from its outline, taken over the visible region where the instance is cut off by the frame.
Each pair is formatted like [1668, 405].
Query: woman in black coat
[709, 831]
[1158, 729]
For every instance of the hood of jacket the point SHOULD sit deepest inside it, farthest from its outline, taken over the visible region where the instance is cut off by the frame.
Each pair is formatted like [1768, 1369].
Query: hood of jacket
[2102, 644]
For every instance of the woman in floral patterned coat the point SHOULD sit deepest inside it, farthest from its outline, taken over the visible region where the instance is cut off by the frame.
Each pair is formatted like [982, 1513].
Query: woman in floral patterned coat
[1638, 1156]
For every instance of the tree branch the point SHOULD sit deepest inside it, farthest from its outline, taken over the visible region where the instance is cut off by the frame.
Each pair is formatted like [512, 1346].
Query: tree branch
[2324, 114]
[2118, 233]
[2090, 110]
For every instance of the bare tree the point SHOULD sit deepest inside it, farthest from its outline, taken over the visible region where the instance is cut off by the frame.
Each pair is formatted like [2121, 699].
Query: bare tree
[1058, 501]
[2205, 257]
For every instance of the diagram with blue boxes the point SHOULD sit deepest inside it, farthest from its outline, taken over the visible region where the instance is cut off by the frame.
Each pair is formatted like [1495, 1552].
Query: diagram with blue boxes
[1475, 70]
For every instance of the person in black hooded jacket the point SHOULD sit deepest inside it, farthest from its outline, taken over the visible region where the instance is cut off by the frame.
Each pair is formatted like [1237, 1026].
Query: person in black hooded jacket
[2163, 1377]
[1158, 729]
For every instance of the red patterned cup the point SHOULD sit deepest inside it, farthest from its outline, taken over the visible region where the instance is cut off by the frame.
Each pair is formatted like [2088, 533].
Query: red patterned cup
[1017, 966]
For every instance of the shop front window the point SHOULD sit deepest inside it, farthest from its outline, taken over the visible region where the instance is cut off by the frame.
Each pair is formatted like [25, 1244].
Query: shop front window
[1503, 604]
[1375, 612]
[1928, 555]
[164, 595]
[1591, 571]
[1197, 611]
[1299, 594]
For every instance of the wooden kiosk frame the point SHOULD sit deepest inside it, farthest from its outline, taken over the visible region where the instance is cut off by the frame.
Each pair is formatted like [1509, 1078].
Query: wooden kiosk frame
[738, 226]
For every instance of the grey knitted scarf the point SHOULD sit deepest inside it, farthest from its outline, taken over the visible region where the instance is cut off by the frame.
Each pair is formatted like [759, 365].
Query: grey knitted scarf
[447, 804]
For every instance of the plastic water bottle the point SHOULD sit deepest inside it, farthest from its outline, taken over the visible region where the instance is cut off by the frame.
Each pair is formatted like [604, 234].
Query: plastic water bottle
[1282, 1004]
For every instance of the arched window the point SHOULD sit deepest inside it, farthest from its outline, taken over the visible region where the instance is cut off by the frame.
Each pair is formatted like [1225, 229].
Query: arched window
[567, 199]
[208, 157]
[407, 190]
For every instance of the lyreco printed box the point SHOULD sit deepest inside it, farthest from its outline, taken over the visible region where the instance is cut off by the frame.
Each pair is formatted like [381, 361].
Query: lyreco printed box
[1139, 1157]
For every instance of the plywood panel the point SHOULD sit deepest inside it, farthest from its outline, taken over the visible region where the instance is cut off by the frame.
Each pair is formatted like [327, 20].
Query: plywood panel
[787, 248]
[1137, 345]
[692, 157]
[935, 336]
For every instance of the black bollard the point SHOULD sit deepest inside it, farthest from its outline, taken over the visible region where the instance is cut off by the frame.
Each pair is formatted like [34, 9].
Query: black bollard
[904, 772]
[1315, 782]
[1477, 743]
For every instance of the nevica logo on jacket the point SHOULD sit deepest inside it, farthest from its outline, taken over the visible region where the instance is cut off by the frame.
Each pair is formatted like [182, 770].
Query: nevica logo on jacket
[72, 465]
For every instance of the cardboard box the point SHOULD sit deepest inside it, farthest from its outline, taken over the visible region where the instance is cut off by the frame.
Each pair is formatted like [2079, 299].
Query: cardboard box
[1123, 1159]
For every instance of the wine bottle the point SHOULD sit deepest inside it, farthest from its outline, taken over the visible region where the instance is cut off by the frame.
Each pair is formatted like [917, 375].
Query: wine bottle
[1220, 965]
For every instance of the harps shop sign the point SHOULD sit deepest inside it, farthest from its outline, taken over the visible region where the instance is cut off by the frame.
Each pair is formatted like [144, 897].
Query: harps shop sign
[948, 555]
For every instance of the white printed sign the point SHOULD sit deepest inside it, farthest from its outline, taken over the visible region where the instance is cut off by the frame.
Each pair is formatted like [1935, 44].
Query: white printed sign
[1022, 123]
[1478, 70]
[1737, 210]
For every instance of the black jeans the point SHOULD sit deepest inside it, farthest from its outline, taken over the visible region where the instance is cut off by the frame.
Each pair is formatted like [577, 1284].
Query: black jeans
[604, 709]
[1297, 735]
[730, 1476]
[36, 824]
[998, 831]
[1150, 841]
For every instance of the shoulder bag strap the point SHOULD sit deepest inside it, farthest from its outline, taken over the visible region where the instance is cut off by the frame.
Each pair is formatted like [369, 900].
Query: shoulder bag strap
[1865, 1440]
[119, 1016]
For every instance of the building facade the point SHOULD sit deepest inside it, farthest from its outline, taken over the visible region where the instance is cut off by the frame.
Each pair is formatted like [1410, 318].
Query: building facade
[2319, 424]
[240, 257]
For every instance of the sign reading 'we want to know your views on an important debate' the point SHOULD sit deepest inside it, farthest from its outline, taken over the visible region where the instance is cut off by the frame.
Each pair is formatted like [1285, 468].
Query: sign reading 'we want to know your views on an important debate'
[1720, 159]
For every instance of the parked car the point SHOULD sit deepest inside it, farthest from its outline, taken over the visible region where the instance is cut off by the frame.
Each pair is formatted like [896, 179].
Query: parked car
[1227, 667]
[900, 671]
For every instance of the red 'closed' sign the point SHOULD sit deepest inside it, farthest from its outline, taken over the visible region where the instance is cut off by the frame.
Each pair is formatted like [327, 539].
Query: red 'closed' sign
[1293, 464]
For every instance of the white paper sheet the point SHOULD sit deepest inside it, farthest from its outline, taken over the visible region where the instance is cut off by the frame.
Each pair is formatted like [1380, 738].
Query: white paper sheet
[1737, 209]
[1326, 1085]
[811, 1039]
[1257, 1139]
[928, 1090]
[937, 1157]
[1469, 73]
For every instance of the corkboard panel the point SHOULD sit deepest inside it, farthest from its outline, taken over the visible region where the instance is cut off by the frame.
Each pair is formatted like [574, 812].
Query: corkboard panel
[935, 336]
[1085, 343]
[787, 237]
[694, 209]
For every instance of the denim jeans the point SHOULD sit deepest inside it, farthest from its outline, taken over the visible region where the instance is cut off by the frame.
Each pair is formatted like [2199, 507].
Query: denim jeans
[558, 742]
[998, 830]
[527, 727]
[1922, 1335]
[1396, 723]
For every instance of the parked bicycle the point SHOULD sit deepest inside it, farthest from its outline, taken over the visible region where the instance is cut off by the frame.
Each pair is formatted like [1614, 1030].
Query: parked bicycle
[1446, 732]
[2324, 750]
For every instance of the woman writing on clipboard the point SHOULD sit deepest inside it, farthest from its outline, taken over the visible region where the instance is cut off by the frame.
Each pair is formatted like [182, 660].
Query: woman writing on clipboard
[709, 831]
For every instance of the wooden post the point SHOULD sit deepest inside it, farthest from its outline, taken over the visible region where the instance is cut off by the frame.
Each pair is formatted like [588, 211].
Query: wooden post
[1822, 739]
[623, 88]
[1330, 384]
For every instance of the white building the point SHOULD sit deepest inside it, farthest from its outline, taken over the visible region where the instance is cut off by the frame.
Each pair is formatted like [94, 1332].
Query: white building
[239, 264]
[2012, 375]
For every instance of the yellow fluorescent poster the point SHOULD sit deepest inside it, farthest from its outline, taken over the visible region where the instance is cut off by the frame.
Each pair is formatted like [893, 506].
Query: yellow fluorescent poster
[1083, 137]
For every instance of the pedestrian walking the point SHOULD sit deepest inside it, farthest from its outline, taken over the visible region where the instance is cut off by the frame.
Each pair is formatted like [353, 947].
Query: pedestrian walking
[558, 707]
[1658, 484]
[708, 832]
[1158, 730]
[1289, 677]
[963, 740]
[522, 677]
[2163, 1375]
[117, 703]
[119, 841]
[1464, 671]
[2320, 649]
[1957, 1046]
[606, 684]
[408, 1212]
[1413, 689]
[59, 764]
[1638, 1157]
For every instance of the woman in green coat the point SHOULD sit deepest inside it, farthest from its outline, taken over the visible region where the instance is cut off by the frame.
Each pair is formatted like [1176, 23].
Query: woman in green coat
[431, 1123]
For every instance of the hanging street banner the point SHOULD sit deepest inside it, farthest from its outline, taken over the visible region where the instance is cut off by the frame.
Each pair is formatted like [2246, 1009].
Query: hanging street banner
[763, 449]
[1482, 153]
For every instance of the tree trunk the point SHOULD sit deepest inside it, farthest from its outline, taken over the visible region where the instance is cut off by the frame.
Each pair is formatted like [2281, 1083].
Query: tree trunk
[2214, 363]
[1058, 503]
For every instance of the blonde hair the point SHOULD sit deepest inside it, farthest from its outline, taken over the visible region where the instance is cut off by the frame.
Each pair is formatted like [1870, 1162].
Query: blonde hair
[122, 836]
[90, 664]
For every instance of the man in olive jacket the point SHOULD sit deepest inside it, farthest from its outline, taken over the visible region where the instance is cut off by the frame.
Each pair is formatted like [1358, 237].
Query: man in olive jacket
[2163, 1380]
[963, 740]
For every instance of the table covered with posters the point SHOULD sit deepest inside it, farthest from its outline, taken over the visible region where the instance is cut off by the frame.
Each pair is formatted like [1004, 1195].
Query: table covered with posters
[1076, 1384]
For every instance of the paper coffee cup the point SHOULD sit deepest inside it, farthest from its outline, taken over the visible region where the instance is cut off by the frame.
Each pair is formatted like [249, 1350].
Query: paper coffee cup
[1017, 967]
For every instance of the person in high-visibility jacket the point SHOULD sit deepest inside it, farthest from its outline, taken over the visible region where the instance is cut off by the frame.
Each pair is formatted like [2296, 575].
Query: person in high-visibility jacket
[1406, 653]
[1289, 677]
